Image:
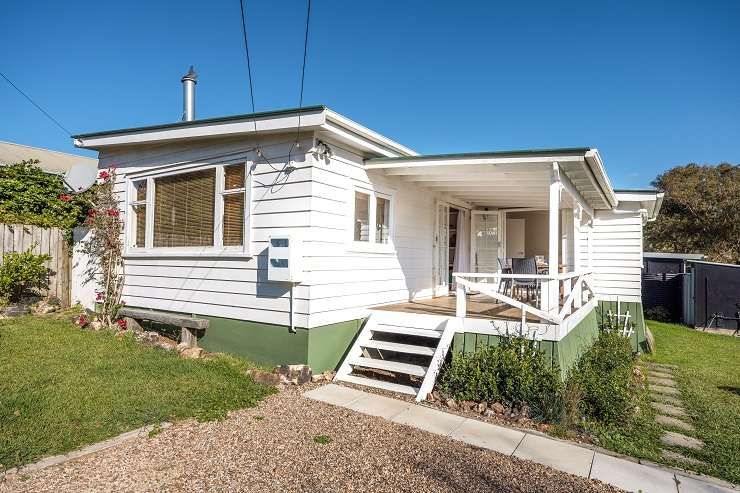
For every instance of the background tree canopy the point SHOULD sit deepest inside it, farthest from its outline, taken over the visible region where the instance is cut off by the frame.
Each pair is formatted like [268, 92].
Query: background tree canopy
[28, 195]
[700, 213]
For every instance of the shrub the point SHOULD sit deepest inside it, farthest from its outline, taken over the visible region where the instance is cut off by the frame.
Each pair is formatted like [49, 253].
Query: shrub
[604, 375]
[512, 372]
[658, 313]
[21, 272]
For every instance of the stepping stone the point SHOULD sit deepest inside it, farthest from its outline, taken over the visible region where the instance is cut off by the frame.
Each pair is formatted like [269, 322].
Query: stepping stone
[675, 456]
[660, 367]
[662, 381]
[658, 374]
[662, 389]
[668, 409]
[667, 399]
[673, 439]
[674, 422]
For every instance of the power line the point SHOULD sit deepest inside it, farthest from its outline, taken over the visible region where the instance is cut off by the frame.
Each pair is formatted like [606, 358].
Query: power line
[69, 134]
[249, 65]
[303, 69]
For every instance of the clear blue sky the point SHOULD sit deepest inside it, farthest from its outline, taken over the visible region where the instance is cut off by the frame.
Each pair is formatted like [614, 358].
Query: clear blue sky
[651, 84]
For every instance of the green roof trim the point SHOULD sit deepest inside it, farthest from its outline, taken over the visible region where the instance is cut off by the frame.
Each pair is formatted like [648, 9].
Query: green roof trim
[518, 152]
[636, 190]
[205, 121]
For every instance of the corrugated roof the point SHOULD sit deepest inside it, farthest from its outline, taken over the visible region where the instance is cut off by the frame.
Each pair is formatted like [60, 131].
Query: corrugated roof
[51, 161]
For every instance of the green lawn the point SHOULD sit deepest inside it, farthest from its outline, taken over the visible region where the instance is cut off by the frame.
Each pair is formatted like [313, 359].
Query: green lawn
[709, 380]
[62, 387]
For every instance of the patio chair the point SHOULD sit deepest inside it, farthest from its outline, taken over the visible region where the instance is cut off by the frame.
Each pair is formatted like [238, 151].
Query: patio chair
[525, 266]
[504, 264]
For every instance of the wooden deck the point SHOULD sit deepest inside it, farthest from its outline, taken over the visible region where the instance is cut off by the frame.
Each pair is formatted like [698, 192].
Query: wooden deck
[478, 306]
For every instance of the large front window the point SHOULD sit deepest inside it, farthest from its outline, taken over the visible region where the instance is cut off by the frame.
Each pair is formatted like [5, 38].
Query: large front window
[371, 220]
[201, 210]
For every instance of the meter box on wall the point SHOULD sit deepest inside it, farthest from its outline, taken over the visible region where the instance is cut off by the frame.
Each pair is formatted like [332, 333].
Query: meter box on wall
[284, 259]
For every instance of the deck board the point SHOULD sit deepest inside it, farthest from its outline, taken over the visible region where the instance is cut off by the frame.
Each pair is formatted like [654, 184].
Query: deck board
[478, 306]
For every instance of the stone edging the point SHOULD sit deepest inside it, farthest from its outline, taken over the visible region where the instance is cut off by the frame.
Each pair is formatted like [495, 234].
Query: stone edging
[90, 449]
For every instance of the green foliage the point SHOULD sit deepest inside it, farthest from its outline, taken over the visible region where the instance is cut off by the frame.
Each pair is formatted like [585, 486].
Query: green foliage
[699, 212]
[659, 313]
[512, 372]
[63, 388]
[21, 272]
[604, 375]
[322, 439]
[30, 196]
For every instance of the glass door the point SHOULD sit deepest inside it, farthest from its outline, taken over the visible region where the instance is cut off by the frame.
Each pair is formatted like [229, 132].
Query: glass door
[441, 250]
[485, 241]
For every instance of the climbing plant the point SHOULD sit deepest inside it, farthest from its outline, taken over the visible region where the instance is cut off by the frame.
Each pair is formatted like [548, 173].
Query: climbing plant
[104, 247]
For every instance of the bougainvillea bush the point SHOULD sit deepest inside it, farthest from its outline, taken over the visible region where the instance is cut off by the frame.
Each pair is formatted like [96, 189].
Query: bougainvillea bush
[104, 247]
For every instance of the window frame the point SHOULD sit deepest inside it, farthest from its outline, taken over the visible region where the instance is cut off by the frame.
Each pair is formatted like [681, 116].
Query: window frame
[372, 246]
[217, 249]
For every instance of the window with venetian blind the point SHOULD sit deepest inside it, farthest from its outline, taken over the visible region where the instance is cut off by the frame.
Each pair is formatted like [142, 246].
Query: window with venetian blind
[202, 208]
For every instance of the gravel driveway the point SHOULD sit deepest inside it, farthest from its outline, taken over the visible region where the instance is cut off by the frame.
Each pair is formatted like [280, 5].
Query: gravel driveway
[271, 448]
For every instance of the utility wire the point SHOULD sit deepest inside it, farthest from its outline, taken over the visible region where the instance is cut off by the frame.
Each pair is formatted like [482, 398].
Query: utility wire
[36, 105]
[249, 65]
[303, 69]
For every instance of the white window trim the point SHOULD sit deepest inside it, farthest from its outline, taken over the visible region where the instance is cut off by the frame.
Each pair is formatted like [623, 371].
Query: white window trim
[218, 249]
[371, 246]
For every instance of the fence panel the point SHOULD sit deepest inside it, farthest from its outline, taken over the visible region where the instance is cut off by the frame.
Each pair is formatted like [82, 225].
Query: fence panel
[49, 241]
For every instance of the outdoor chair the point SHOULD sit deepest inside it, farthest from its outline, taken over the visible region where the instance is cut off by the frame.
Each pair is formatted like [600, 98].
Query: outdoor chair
[504, 264]
[525, 266]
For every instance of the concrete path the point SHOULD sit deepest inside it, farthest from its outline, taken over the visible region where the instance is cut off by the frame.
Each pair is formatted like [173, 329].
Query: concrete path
[558, 454]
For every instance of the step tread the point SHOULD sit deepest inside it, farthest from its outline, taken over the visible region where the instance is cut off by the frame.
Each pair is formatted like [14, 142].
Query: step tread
[369, 382]
[411, 331]
[399, 348]
[395, 366]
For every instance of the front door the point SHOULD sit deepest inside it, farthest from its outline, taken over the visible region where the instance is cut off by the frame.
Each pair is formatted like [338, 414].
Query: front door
[515, 237]
[441, 250]
[484, 241]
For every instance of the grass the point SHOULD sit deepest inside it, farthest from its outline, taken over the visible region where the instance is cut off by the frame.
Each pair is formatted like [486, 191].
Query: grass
[322, 439]
[709, 380]
[62, 387]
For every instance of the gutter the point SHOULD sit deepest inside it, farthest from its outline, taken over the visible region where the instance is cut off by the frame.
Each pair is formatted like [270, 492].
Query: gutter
[597, 171]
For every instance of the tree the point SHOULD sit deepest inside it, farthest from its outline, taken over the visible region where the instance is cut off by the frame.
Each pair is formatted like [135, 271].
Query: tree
[700, 213]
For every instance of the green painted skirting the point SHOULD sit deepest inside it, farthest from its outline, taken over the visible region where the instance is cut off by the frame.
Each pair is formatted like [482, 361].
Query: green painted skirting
[561, 354]
[638, 339]
[265, 344]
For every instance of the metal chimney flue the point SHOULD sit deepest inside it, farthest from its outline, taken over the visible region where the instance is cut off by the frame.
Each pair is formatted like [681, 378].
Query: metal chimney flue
[188, 95]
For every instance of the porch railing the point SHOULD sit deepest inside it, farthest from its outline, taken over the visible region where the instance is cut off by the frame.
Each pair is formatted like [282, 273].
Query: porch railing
[572, 290]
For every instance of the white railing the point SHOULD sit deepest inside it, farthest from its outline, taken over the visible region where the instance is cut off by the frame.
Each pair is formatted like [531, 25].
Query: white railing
[574, 289]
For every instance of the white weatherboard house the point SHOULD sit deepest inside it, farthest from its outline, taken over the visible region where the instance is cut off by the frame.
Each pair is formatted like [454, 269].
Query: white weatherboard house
[350, 251]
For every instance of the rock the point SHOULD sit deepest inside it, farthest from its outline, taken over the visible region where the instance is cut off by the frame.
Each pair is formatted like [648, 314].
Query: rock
[192, 353]
[294, 374]
[437, 396]
[498, 408]
[451, 403]
[678, 440]
[329, 375]
[482, 408]
[525, 411]
[665, 390]
[164, 343]
[489, 413]
[650, 340]
[544, 427]
[673, 422]
[468, 405]
[522, 421]
[264, 377]
[96, 325]
[317, 378]
[45, 307]
[669, 409]
[430, 397]
[182, 346]
[16, 311]
[675, 456]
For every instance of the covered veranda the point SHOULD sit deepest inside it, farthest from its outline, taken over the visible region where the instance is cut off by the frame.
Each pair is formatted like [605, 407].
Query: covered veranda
[529, 270]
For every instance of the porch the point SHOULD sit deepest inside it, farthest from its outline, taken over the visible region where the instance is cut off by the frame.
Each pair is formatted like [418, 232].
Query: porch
[478, 306]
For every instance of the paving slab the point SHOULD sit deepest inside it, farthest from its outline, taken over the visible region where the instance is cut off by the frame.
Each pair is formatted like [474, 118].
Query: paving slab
[662, 389]
[335, 394]
[693, 485]
[486, 435]
[666, 399]
[666, 382]
[674, 422]
[431, 420]
[632, 476]
[556, 454]
[658, 374]
[674, 439]
[377, 405]
[661, 366]
[668, 409]
[671, 455]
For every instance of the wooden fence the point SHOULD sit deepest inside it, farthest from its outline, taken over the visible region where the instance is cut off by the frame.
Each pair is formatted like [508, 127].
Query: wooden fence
[49, 241]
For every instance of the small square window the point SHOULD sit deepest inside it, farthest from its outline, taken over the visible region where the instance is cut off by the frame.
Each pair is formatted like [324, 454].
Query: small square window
[362, 216]
[233, 176]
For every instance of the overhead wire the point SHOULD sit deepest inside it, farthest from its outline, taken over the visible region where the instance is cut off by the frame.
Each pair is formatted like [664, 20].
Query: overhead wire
[42, 110]
[249, 64]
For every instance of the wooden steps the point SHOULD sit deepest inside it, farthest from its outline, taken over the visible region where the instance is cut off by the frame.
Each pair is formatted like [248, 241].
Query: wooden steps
[399, 346]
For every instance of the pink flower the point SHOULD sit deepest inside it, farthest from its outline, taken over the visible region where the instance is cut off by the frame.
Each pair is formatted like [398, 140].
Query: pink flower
[90, 212]
[82, 321]
[113, 212]
[123, 302]
[121, 324]
[104, 175]
[65, 197]
[99, 297]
